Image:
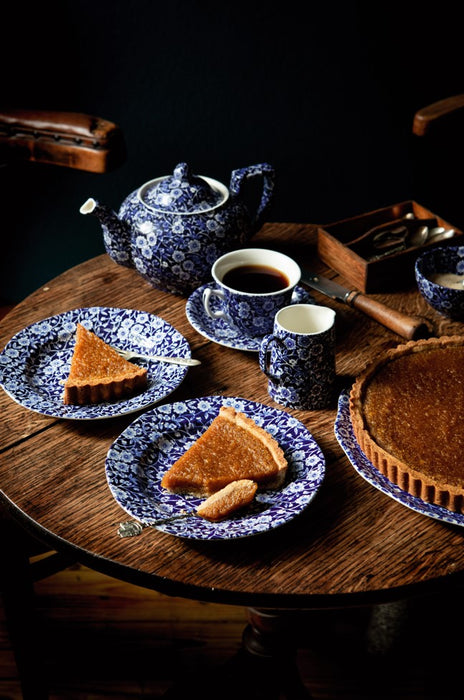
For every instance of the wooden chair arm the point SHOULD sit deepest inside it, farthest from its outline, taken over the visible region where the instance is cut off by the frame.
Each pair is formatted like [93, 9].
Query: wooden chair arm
[428, 118]
[70, 139]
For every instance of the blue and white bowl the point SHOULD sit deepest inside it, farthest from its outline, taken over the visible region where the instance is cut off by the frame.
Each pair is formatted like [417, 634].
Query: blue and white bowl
[447, 300]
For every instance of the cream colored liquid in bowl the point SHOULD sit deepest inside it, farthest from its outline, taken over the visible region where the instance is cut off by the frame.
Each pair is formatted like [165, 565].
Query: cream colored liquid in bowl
[448, 279]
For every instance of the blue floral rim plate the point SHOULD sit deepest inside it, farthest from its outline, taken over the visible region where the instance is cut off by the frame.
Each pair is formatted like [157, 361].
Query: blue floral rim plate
[224, 333]
[36, 361]
[139, 457]
[345, 436]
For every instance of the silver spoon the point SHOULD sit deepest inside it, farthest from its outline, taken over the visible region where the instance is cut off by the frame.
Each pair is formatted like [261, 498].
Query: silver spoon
[441, 234]
[133, 528]
[185, 361]
[401, 236]
[414, 239]
[417, 237]
[436, 230]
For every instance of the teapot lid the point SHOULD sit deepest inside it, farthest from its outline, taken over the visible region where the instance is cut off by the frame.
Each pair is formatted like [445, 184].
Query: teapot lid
[182, 192]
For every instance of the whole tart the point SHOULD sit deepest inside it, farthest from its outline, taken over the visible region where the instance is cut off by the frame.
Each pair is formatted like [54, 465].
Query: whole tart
[406, 412]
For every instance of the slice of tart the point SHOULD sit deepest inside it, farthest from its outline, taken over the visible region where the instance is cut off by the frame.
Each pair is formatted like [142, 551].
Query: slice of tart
[233, 447]
[98, 373]
[405, 410]
[232, 497]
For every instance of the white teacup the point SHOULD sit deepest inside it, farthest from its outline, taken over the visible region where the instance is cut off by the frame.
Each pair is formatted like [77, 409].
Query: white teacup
[252, 284]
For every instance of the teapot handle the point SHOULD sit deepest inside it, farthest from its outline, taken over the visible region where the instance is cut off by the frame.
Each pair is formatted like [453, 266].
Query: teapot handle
[268, 174]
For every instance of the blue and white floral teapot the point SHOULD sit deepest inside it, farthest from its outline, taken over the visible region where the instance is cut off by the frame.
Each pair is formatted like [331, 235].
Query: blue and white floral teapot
[172, 229]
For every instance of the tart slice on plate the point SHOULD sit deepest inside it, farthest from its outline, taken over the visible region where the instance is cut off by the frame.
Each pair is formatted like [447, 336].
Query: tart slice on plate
[233, 447]
[98, 373]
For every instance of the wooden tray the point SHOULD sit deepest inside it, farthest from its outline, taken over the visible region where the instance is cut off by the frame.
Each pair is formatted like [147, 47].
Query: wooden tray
[387, 274]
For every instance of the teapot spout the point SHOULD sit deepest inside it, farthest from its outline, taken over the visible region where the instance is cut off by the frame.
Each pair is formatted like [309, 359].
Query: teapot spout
[116, 231]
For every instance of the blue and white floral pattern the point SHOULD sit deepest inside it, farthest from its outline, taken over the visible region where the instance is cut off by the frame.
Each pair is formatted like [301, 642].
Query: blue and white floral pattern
[36, 361]
[182, 192]
[253, 315]
[139, 457]
[447, 301]
[171, 230]
[219, 330]
[300, 368]
[345, 436]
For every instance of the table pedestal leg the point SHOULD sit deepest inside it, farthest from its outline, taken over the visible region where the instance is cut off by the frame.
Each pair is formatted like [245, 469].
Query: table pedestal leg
[385, 626]
[264, 668]
[269, 656]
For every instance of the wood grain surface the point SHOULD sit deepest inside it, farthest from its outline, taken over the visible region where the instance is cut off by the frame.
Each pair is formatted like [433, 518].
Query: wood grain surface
[352, 545]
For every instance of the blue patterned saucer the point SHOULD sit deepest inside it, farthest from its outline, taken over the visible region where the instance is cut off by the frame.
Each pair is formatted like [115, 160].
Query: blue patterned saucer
[224, 333]
[345, 436]
[36, 361]
[140, 456]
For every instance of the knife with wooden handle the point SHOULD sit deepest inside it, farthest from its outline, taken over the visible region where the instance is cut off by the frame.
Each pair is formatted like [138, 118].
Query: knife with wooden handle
[409, 327]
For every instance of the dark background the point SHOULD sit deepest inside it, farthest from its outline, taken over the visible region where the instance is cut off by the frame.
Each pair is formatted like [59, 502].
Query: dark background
[325, 92]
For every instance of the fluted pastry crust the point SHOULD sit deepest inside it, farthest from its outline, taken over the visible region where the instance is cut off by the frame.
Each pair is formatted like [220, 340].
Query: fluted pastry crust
[406, 412]
[98, 373]
[233, 447]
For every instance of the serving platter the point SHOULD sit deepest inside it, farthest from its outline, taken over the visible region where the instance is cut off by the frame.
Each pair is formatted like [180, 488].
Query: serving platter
[346, 438]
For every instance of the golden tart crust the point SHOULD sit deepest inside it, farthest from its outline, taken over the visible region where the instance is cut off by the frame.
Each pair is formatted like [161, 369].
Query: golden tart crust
[232, 448]
[406, 410]
[232, 497]
[98, 373]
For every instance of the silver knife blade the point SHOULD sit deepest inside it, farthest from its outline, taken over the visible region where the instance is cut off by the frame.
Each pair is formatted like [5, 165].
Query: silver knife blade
[325, 286]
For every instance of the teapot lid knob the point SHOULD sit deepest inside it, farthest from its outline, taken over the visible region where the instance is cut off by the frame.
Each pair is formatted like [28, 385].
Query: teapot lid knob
[182, 172]
[181, 192]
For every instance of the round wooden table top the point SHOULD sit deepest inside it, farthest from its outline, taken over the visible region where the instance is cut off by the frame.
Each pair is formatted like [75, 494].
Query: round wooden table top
[352, 545]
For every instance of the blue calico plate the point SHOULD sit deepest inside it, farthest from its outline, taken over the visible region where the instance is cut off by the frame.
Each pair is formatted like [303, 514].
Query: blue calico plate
[36, 361]
[345, 436]
[138, 459]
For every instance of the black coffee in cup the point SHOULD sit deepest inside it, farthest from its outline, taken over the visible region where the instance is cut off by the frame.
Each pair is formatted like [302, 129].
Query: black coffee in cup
[250, 286]
[255, 279]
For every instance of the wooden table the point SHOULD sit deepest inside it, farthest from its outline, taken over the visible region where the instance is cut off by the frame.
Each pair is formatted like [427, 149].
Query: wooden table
[352, 546]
